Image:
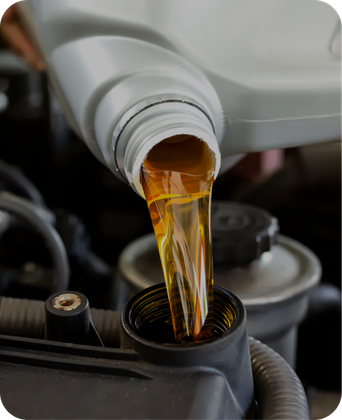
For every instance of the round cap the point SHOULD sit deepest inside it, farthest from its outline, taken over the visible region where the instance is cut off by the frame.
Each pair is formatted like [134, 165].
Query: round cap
[241, 233]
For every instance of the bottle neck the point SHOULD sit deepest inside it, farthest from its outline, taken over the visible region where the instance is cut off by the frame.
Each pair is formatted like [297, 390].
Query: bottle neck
[153, 124]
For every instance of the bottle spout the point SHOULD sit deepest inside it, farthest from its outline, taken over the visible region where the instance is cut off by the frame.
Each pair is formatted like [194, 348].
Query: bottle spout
[166, 119]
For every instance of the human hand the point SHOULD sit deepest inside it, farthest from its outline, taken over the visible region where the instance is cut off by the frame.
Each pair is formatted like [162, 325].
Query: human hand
[16, 36]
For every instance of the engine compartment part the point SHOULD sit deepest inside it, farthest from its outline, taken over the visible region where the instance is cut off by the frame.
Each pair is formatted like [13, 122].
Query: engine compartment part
[144, 379]
[271, 273]
[68, 319]
[21, 208]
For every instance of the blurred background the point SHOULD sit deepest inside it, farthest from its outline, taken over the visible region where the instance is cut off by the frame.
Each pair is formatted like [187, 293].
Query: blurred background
[100, 215]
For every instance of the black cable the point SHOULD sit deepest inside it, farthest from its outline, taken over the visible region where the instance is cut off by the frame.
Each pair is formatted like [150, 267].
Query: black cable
[21, 208]
[21, 185]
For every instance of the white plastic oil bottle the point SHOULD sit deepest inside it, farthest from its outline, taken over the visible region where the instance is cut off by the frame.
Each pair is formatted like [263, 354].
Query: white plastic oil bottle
[242, 75]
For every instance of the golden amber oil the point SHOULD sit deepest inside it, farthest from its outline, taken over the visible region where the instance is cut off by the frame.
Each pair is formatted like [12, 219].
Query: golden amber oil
[177, 178]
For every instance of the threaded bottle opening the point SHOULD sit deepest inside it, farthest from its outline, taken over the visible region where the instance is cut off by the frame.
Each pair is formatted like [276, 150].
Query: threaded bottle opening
[153, 125]
[148, 315]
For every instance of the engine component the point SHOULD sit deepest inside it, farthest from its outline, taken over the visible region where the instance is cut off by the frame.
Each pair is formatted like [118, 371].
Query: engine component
[270, 273]
[19, 207]
[68, 319]
[145, 378]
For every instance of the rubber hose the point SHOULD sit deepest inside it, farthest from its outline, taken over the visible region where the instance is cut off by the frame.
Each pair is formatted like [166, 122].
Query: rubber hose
[21, 208]
[18, 181]
[21, 317]
[322, 299]
[6, 220]
[107, 323]
[25, 318]
[39, 209]
[278, 390]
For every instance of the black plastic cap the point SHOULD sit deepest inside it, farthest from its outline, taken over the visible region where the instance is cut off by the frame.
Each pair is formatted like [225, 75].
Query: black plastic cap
[241, 233]
[67, 317]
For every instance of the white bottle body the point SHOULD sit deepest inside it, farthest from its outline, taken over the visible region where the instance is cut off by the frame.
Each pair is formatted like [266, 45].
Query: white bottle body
[263, 72]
